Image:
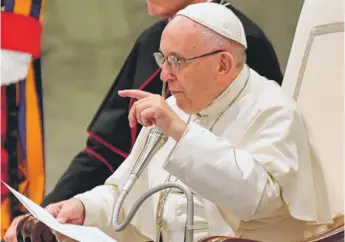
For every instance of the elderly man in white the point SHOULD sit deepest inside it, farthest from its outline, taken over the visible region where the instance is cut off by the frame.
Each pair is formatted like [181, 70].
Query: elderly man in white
[234, 139]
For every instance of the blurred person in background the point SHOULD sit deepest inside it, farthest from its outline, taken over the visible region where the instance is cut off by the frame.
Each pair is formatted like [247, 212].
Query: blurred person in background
[22, 136]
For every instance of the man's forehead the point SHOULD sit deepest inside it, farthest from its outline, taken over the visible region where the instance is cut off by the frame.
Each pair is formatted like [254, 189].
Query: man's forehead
[181, 37]
[181, 28]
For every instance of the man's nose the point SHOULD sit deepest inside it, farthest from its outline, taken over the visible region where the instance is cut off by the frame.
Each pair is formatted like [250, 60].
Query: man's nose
[166, 73]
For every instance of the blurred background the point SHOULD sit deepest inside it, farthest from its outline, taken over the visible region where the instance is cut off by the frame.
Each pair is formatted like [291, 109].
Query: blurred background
[85, 43]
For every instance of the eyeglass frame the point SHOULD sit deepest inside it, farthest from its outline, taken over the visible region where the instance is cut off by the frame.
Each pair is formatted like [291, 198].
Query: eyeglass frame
[180, 61]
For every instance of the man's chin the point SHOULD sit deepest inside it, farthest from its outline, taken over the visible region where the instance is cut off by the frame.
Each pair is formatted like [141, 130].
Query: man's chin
[179, 103]
[183, 105]
[179, 97]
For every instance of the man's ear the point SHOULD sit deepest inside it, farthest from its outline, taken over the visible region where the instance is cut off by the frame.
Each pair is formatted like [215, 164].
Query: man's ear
[226, 63]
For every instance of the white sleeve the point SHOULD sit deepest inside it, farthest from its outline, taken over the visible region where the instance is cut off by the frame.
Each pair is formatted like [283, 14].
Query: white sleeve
[246, 182]
[98, 204]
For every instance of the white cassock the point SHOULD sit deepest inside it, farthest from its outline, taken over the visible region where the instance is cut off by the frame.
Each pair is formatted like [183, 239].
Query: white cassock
[249, 161]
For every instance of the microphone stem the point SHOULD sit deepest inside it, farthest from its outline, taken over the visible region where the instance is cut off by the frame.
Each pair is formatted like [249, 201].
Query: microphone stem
[189, 236]
[152, 146]
[164, 89]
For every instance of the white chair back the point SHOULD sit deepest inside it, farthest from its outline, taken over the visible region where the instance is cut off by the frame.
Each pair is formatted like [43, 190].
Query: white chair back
[315, 77]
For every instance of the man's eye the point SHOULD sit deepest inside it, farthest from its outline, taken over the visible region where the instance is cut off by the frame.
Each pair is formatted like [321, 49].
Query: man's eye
[177, 59]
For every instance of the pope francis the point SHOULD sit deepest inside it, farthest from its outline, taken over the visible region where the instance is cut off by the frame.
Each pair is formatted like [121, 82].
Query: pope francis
[234, 138]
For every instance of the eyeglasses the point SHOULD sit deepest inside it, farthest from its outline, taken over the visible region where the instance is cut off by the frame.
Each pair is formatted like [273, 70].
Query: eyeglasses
[175, 62]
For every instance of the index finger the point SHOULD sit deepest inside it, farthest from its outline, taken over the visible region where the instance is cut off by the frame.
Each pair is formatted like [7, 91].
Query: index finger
[137, 94]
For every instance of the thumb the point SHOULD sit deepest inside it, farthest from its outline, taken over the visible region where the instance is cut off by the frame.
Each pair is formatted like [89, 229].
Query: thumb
[63, 214]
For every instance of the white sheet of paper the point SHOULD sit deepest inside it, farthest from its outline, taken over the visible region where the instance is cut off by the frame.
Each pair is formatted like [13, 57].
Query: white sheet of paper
[76, 232]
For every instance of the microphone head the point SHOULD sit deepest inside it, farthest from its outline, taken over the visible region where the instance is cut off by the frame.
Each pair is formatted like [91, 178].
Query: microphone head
[155, 137]
[154, 142]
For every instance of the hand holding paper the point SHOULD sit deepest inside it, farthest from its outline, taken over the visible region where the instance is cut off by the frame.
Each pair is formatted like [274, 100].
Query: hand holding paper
[76, 232]
[70, 211]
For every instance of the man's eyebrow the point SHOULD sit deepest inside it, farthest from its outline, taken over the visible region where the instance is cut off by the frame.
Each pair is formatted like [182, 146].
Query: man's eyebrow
[173, 53]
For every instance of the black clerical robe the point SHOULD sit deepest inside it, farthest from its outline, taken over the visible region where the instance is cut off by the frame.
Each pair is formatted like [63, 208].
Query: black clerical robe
[110, 137]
